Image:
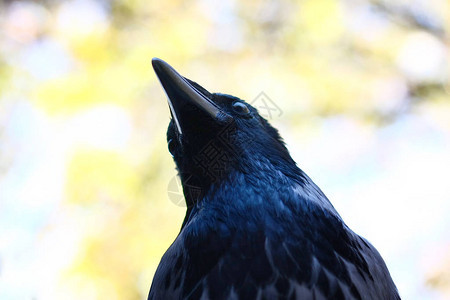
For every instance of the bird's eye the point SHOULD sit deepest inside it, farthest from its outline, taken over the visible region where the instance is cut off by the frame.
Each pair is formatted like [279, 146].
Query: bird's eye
[240, 108]
[171, 146]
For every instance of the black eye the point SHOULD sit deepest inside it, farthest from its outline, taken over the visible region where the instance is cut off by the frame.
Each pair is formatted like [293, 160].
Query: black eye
[171, 146]
[240, 108]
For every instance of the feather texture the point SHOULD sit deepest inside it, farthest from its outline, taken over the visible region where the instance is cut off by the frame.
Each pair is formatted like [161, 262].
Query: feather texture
[256, 226]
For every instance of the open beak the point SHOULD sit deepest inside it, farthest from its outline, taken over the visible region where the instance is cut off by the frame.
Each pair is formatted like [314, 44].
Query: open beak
[181, 93]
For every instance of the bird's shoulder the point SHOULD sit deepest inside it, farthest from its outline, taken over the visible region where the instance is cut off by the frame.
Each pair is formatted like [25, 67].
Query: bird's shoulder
[281, 254]
[288, 244]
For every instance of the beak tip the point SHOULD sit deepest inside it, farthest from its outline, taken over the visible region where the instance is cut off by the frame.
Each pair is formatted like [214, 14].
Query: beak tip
[156, 63]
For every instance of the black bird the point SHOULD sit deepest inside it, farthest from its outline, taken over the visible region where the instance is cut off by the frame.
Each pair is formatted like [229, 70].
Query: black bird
[256, 226]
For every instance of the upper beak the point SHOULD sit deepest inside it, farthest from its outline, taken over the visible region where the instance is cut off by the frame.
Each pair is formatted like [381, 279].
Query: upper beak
[181, 93]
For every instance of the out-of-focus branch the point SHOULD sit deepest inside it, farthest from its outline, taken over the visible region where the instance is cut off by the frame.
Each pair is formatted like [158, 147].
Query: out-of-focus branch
[411, 17]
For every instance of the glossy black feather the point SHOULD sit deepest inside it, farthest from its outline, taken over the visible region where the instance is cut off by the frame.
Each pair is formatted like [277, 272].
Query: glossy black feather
[257, 227]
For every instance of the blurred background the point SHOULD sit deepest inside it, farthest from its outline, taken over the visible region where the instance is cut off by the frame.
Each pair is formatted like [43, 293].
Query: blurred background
[362, 95]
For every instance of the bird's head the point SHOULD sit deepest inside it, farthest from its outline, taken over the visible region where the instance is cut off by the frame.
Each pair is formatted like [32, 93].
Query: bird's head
[211, 135]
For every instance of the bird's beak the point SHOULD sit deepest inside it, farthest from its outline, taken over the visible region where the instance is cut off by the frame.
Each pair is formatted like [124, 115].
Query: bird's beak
[180, 93]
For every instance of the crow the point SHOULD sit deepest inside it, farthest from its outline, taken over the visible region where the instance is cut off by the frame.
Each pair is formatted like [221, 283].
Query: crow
[256, 226]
